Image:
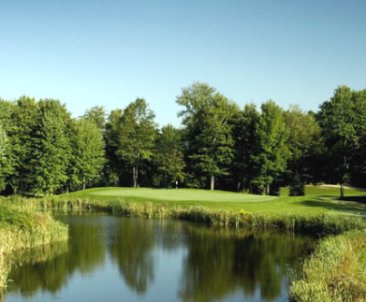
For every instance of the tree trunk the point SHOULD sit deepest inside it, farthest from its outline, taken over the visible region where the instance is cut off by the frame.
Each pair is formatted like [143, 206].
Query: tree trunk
[84, 183]
[268, 192]
[134, 175]
[342, 193]
[212, 186]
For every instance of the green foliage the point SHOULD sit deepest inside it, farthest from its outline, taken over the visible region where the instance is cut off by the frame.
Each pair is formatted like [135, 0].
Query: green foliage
[97, 115]
[114, 166]
[44, 151]
[343, 122]
[245, 148]
[52, 146]
[88, 152]
[208, 119]
[25, 118]
[168, 156]
[136, 134]
[5, 163]
[304, 142]
[270, 158]
[297, 187]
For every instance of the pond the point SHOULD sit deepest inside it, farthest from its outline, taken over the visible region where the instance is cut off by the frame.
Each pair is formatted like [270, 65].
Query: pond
[129, 259]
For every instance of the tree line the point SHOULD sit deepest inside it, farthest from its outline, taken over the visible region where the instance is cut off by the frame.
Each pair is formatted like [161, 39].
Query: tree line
[220, 145]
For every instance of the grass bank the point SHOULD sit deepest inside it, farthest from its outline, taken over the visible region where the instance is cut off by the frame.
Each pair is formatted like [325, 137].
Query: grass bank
[24, 229]
[335, 271]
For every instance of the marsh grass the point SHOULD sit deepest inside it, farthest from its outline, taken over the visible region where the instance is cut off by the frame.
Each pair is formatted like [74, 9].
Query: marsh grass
[318, 224]
[23, 228]
[335, 271]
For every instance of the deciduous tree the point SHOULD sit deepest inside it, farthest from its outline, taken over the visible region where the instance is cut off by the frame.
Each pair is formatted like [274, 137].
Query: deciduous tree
[136, 136]
[52, 146]
[88, 151]
[168, 156]
[208, 117]
[272, 153]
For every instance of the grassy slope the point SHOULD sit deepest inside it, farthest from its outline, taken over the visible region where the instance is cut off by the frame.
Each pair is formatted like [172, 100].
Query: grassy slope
[317, 199]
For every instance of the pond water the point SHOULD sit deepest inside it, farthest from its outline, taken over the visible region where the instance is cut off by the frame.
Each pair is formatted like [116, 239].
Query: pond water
[128, 259]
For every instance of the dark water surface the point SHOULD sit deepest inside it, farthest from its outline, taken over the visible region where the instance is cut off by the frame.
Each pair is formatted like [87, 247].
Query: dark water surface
[128, 259]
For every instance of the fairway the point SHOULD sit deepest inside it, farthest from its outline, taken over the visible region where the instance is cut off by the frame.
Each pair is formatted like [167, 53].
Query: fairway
[180, 194]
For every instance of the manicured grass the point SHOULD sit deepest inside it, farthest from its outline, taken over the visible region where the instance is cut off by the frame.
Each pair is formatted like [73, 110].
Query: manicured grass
[317, 200]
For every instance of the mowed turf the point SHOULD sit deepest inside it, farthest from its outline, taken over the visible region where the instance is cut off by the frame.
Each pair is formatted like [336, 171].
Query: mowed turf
[318, 199]
[182, 195]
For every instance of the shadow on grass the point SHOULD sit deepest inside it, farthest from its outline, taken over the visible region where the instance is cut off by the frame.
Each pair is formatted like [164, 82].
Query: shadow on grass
[360, 199]
[319, 203]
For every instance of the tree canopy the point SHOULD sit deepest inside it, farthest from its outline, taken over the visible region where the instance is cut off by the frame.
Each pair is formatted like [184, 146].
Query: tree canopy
[44, 150]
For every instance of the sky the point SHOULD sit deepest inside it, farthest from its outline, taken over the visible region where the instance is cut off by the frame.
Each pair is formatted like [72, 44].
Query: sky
[108, 52]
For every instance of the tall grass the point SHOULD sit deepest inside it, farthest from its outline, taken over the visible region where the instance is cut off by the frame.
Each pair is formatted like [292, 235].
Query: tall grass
[335, 271]
[25, 230]
[314, 224]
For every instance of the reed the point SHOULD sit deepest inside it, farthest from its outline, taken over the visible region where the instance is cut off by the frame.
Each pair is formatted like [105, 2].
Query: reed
[24, 229]
[335, 271]
[318, 225]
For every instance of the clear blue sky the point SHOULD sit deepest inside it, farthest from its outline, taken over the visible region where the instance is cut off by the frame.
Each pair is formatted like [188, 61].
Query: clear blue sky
[109, 52]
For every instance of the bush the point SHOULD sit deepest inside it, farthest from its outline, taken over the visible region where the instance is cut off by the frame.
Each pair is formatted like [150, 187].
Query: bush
[297, 187]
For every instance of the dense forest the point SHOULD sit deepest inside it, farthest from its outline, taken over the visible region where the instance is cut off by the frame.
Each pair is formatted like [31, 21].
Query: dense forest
[43, 150]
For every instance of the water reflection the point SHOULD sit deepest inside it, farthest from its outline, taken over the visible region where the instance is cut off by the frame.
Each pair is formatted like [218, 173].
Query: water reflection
[131, 249]
[221, 262]
[189, 262]
[49, 268]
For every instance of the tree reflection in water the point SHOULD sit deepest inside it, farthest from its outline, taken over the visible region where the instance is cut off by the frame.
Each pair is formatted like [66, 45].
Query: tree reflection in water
[131, 249]
[48, 268]
[213, 263]
[222, 261]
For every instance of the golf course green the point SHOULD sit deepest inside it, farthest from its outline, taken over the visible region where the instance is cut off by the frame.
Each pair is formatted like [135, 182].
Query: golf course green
[318, 199]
